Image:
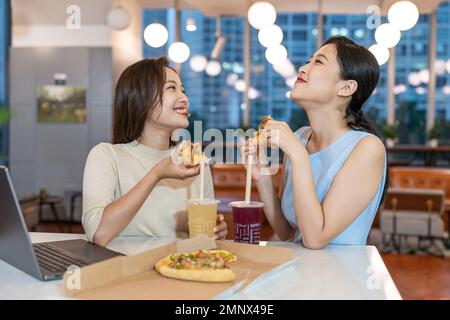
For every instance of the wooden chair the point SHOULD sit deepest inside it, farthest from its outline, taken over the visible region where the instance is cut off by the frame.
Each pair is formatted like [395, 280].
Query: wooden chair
[413, 213]
[47, 200]
[423, 178]
[30, 209]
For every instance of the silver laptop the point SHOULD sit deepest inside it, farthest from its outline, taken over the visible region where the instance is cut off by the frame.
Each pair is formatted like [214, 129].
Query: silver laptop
[45, 261]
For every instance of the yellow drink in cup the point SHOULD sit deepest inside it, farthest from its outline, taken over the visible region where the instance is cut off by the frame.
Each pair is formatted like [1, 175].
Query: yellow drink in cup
[202, 217]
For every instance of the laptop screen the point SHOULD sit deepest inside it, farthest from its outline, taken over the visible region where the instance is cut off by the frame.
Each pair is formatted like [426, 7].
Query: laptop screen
[15, 245]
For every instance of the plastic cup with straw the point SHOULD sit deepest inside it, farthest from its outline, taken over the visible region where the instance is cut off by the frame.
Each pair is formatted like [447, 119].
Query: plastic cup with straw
[247, 214]
[202, 213]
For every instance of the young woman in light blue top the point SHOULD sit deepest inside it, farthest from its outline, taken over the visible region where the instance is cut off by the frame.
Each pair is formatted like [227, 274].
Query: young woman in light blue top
[335, 170]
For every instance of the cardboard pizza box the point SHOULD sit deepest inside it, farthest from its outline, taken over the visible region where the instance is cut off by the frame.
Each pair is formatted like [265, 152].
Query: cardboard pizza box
[133, 277]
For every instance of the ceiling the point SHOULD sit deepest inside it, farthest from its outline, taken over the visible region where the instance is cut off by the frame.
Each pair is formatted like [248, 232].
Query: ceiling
[240, 7]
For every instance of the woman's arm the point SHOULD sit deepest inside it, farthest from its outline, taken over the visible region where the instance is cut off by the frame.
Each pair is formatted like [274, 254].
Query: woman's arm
[119, 213]
[105, 217]
[352, 189]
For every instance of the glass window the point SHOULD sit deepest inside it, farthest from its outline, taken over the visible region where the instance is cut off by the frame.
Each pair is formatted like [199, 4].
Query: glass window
[300, 41]
[299, 51]
[282, 19]
[299, 19]
[215, 101]
[443, 80]
[338, 20]
[4, 47]
[300, 35]
[402, 50]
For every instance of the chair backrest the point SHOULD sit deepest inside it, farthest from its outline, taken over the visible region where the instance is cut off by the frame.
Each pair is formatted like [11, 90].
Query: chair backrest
[419, 177]
[418, 200]
[232, 177]
[30, 210]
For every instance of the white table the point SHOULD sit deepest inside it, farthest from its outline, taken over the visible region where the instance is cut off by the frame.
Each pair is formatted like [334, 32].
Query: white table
[335, 272]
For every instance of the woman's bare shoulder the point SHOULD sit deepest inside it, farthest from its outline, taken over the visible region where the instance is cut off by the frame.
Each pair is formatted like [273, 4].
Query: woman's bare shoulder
[370, 148]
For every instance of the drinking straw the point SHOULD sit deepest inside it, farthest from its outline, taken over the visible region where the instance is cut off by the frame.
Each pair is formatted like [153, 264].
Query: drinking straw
[202, 179]
[248, 182]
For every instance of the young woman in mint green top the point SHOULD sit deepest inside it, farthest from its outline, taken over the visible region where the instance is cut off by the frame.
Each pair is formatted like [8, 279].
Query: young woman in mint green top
[335, 171]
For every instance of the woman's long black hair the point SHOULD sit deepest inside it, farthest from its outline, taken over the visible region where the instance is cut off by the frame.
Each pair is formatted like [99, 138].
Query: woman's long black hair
[359, 64]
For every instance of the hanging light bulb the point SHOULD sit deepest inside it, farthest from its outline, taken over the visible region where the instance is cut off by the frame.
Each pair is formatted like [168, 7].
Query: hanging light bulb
[118, 18]
[198, 63]
[213, 68]
[439, 67]
[400, 88]
[424, 76]
[231, 79]
[343, 32]
[414, 79]
[421, 90]
[276, 55]
[381, 53]
[387, 35]
[253, 93]
[290, 82]
[270, 36]
[286, 69]
[403, 14]
[156, 35]
[446, 89]
[179, 52]
[261, 14]
[191, 26]
[240, 85]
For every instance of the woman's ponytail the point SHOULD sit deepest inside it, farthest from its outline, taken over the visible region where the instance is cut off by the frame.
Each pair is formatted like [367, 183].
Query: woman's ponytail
[357, 120]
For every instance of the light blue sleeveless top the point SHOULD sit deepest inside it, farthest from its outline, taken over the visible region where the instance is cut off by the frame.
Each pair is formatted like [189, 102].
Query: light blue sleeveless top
[325, 164]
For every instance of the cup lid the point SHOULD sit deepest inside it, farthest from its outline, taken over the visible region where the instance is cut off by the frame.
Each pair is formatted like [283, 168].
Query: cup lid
[205, 201]
[243, 204]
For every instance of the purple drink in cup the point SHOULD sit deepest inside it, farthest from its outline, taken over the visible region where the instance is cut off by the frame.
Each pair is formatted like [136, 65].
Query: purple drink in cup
[247, 221]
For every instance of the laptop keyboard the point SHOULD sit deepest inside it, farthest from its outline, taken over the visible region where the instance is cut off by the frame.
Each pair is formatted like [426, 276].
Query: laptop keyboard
[55, 259]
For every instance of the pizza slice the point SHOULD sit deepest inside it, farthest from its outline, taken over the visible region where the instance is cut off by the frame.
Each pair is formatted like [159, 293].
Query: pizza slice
[201, 265]
[264, 120]
[190, 153]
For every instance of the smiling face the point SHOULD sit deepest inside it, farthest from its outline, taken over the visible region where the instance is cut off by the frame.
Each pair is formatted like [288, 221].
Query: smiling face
[319, 80]
[173, 113]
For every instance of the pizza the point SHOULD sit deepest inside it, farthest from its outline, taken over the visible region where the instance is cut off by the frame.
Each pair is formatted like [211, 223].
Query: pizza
[264, 121]
[189, 153]
[257, 137]
[201, 265]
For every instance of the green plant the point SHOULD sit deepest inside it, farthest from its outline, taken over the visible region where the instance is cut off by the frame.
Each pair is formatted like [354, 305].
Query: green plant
[4, 115]
[390, 131]
[435, 132]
